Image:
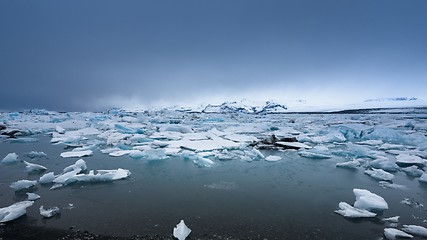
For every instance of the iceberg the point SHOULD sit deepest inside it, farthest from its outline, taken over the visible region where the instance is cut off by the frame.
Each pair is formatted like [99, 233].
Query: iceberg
[412, 171]
[14, 211]
[181, 231]
[32, 196]
[346, 210]
[22, 184]
[353, 164]
[384, 164]
[369, 201]
[380, 174]
[72, 154]
[50, 212]
[47, 178]
[272, 158]
[408, 160]
[31, 167]
[416, 230]
[10, 158]
[393, 233]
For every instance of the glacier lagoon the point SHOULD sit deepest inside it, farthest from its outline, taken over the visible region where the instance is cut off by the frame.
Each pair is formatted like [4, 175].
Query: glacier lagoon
[205, 169]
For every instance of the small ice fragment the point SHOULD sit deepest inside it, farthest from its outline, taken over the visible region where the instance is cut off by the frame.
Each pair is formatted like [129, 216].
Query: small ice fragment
[296, 145]
[423, 178]
[412, 171]
[35, 154]
[32, 196]
[23, 140]
[380, 174]
[385, 184]
[79, 164]
[71, 154]
[392, 219]
[10, 158]
[47, 178]
[407, 159]
[393, 233]
[272, 158]
[203, 162]
[22, 184]
[416, 230]
[60, 129]
[349, 164]
[14, 211]
[346, 210]
[369, 201]
[50, 212]
[31, 167]
[181, 231]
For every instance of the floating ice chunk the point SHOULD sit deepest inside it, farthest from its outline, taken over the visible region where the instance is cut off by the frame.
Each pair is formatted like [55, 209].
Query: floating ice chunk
[32, 196]
[416, 230]
[328, 138]
[258, 153]
[155, 154]
[158, 143]
[136, 154]
[77, 154]
[385, 184]
[240, 138]
[393, 233]
[10, 158]
[392, 219]
[313, 154]
[178, 128]
[358, 151]
[60, 129]
[31, 167]
[380, 174]
[79, 165]
[50, 212]
[346, 210]
[119, 153]
[385, 164]
[115, 174]
[389, 146]
[14, 211]
[47, 178]
[369, 201]
[181, 231]
[349, 164]
[407, 160]
[412, 171]
[272, 158]
[370, 142]
[202, 162]
[35, 154]
[423, 178]
[297, 145]
[67, 177]
[22, 184]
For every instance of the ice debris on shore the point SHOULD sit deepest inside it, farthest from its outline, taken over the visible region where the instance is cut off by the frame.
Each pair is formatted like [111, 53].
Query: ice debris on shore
[14, 211]
[181, 231]
[49, 212]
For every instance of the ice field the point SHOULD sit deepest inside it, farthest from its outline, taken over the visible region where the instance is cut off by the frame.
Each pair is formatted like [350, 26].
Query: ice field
[358, 175]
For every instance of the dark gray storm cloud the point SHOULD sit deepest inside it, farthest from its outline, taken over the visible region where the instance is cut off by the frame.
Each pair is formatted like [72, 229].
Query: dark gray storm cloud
[87, 55]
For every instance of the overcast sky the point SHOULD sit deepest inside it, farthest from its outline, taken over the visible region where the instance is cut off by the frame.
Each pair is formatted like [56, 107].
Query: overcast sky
[91, 55]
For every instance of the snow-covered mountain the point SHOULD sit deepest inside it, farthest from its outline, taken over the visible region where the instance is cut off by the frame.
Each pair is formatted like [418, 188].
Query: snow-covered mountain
[395, 99]
[246, 107]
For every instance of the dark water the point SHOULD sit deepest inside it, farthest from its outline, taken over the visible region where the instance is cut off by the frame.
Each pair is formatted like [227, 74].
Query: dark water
[291, 199]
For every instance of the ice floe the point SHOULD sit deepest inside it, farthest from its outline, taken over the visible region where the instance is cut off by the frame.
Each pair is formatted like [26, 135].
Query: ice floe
[392, 219]
[407, 160]
[379, 174]
[393, 233]
[49, 212]
[413, 171]
[76, 154]
[10, 158]
[32, 167]
[35, 154]
[23, 184]
[14, 211]
[353, 164]
[181, 231]
[47, 178]
[416, 230]
[346, 210]
[32, 196]
[369, 201]
[272, 158]
[423, 178]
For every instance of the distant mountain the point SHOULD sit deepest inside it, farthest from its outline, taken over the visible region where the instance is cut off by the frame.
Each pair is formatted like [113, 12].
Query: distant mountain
[396, 99]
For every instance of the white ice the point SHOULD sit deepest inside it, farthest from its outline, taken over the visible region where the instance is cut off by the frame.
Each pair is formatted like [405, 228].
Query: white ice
[392, 219]
[408, 159]
[416, 230]
[423, 178]
[79, 164]
[35, 154]
[347, 210]
[181, 231]
[272, 158]
[380, 174]
[369, 201]
[50, 212]
[412, 171]
[32, 167]
[14, 211]
[23, 184]
[353, 164]
[385, 184]
[393, 233]
[76, 154]
[32, 196]
[47, 178]
[10, 158]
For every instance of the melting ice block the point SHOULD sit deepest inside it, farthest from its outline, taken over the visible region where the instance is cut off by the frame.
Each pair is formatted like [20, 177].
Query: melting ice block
[14, 211]
[369, 201]
[79, 164]
[71, 154]
[380, 174]
[181, 231]
[416, 230]
[393, 233]
[346, 210]
[32, 196]
[272, 158]
[10, 158]
[50, 212]
[47, 178]
[31, 167]
[22, 184]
